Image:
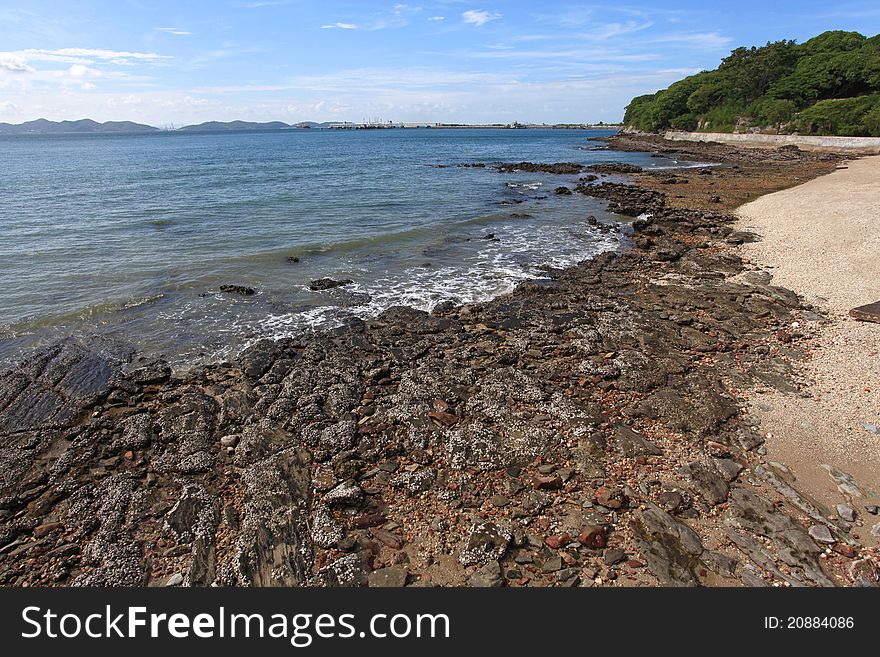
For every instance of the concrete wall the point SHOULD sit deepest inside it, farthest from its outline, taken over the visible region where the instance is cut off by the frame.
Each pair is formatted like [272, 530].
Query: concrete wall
[864, 145]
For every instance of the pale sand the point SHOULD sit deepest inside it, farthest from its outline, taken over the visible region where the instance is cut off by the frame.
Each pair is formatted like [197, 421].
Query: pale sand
[822, 240]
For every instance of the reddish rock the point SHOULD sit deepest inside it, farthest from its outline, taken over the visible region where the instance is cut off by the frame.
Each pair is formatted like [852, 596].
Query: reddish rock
[557, 541]
[593, 536]
[369, 519]
[547, 483]
[46, 529]
[446, 419]
[390, 539]
[440, 406]
[610, 498]
[846, 550]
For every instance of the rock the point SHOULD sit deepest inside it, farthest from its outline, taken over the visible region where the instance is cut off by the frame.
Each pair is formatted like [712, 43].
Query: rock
[728, 468]
[175, 580]
[238, 289]
[875, 530]
[563, 191]
[390, 577]
[787, 540]
[46, 529]
[489, 576]
[632, 444]
[328, 284]
[547, 482]
[530, 167]
[846, 512]
[593, 537]
[614, 167]
[344, 494]
[229, 441]
[706, 481]
[499, 501]
[671, 549]
[821, 534]
[873, 509]
[614, 556]
[552, 565]
[672, 500]
[867, 313]
[557, 541]
[864, 573]
[610, 498]
[486, 541]
[390, 539]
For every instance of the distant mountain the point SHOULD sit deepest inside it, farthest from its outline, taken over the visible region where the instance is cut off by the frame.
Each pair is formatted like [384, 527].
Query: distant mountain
[215, 126]
[83, 126]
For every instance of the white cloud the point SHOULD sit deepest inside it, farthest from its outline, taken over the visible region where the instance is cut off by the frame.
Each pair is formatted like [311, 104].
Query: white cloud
[437, 18]
[83, 55]
[698, 39]
[174, 31]
[82, 71]
[479, 17]
[340, 26]
[10, 61]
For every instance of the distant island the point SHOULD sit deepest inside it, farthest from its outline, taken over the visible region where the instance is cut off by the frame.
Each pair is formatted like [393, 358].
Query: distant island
[829, 85]
[83, 126]
[88, 126]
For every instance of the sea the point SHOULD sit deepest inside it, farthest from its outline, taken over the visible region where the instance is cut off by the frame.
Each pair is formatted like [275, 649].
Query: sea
[131, 237]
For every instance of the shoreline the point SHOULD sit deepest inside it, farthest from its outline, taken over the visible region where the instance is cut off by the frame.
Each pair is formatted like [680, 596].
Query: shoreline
[826, 426]
[587, 429]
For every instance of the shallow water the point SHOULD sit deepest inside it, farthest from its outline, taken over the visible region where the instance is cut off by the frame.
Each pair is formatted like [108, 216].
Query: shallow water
[131, 236]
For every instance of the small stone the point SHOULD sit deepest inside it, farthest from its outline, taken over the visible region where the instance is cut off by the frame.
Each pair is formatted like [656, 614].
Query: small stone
[547, 483]
[390, 577]
[390, 539]
[499, 501]
[846, 512]
[558, 540]
[46, 529]
[489, 576]
[592, 536]
[345, 494]
[821, 534]
[614, 556]
[873, 509]
[175, 580]
[229, 441]
[547, 469]
[552, 564]
[875, 530]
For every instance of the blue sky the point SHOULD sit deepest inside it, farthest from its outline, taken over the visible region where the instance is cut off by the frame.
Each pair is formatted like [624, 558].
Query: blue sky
[164, 62]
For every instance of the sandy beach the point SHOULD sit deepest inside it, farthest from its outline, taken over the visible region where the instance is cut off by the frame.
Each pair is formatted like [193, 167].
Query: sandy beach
[821, 240]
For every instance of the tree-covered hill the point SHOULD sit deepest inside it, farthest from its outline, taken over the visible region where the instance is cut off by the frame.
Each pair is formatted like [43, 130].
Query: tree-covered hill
[829, 85]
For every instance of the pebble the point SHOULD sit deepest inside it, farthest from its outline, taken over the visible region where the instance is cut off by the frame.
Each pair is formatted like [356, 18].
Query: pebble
[821, 534]
[873, 509]
[175, 580]
[499, 501]
[229, 441]
[846, 512]
[390, 577]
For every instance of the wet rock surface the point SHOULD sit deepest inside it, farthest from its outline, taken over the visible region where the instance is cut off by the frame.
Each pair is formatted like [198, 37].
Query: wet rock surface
[587, 430]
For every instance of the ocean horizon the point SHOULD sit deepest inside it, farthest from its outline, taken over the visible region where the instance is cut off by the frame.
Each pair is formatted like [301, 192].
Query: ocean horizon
[132, 236]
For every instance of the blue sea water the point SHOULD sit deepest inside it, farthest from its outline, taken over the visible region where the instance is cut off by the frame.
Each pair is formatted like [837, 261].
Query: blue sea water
[131, 236]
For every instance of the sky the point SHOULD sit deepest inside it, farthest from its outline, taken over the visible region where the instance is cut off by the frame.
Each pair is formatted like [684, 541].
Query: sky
[176, 62]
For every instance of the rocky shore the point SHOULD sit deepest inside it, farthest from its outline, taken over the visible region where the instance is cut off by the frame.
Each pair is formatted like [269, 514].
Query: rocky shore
[588, 429]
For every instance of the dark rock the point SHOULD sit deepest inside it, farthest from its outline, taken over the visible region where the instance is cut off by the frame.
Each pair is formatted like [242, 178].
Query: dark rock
[390, 577]
[238, 289]
[328, 284]
[632, 444]
[867, 313]
[707, 482]
[489, 576]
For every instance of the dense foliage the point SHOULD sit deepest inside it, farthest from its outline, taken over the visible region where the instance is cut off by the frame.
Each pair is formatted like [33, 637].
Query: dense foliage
[829, 85]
